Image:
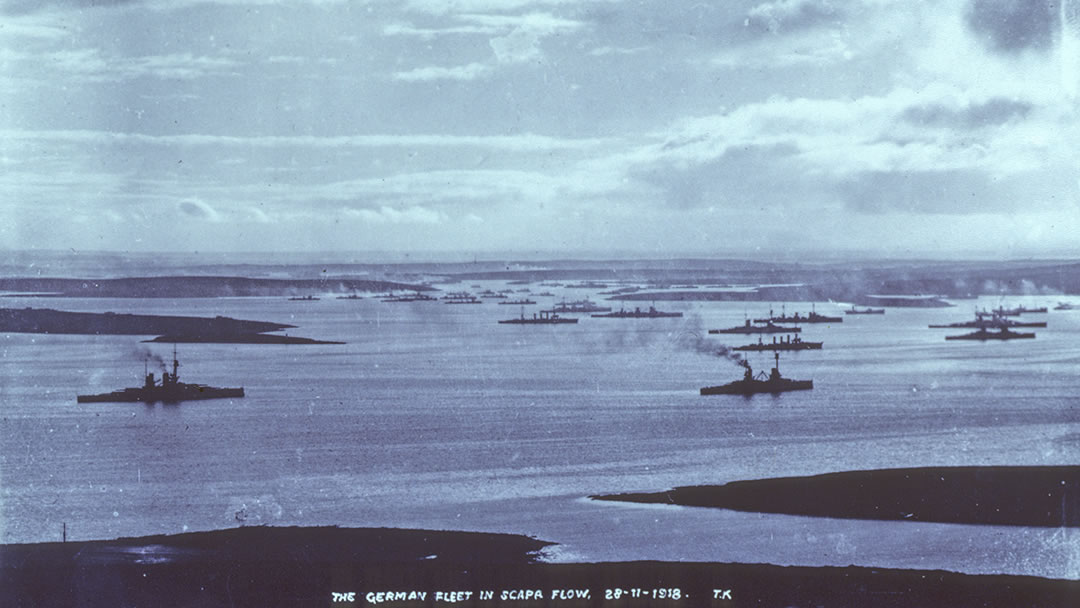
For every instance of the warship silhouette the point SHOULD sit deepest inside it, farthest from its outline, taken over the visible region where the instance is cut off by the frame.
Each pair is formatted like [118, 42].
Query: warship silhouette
[169, 390]
[544, 318]
[762, 383]
[767, 328]
[813, 317]
[791, 343]
[986, 334]
[855, 310]
[637, 313]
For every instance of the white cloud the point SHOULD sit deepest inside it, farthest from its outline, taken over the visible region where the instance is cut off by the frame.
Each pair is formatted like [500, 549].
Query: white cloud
[470, 71]
[392, 215]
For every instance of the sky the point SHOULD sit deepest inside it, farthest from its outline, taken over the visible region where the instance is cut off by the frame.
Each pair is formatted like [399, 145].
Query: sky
[656, 127]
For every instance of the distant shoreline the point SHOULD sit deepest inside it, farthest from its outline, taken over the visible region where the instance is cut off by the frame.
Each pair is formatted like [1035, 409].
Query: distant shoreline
[267, 566]
[993, 495]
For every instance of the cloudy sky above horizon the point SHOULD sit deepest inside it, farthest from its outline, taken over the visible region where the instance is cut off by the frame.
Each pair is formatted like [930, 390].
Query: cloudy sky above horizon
[902, 127]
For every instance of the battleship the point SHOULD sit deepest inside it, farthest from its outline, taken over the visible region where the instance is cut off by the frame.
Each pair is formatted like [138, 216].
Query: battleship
[985, 334]
[581, 306]
[767, 328]
[461, 297]
[544, 318]
[855, 310]
[637, 313]
[303, 299]
[1015, 312]
[791, 343]
[525, 302]
[813, 317]
[417, 297]
[169, 390]
[351, 296]
[984, 320]
[762, 383]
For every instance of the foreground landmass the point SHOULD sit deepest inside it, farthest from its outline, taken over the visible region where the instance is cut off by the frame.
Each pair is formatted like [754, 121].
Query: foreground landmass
[1017, 496]
[264, 566]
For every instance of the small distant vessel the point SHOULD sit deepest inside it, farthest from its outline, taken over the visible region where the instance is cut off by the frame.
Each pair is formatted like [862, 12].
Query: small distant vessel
[637, 313]
[813, 317]
[525, 302]
[460, 297]
[792, 343]
[987, 334]
[767, 328]
[488, 294]
[751, 385]
[854, 310]
[304, 299]
[543, 318]
[985, 320]
[581, 306]
[546, 294]
[1015, 312]
[1066, 306]
[170, 390]
[418, 297]
[351, 296]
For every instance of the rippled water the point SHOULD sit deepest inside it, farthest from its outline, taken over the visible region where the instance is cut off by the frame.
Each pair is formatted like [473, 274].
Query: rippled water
[435, 416]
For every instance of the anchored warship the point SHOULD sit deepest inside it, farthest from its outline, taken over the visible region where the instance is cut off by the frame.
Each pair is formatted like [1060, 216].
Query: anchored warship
[855, 310]
[767, 328]
[813, 317]
[544, 318]
[791, 343]
[762, 383]
[637, 313]
[581, 306]
[985, 334]
[169, 390]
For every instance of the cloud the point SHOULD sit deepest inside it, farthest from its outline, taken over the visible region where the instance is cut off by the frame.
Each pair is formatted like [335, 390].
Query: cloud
[992, 112]
[92, 65]
[790, 16]
[1011, 26]
[392, 215]
[199, 210]
[470, 71]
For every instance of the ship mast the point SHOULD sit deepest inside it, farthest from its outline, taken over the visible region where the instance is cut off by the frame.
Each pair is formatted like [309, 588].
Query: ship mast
[175, 364]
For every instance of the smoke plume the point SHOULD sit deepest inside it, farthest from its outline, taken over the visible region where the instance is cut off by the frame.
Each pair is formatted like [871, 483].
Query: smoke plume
[143, 353]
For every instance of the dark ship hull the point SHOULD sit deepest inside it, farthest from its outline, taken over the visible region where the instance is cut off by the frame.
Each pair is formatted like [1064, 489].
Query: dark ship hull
[983, 335]
[994, 324]
[775, 346]
[170, 390]
[637, 313]
[544, 318]
[753, 387]
[865, 311]
[757, 329]
[174, 394]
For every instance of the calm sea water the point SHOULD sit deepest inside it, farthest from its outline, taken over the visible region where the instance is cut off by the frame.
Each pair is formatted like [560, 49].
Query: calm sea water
[435, 416]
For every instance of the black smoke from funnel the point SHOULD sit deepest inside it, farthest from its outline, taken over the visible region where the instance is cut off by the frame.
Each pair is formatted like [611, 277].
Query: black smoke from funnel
[143, 353]
[692, 336]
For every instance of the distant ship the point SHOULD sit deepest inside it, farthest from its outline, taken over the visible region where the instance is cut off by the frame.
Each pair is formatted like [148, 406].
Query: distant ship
[985, 320]
[854, 310]
[791, 343]
[351, 296]
[460, 297]
[985, 334]
[767, 328]
[581, 306]
[750, 385]
[418, 297]
[170, 390]
[487, 293]
[1065, 306]
[1014, 312]
[813, 317]
[525, 302]
[637, 313]
[304, 299]
[544, 318]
